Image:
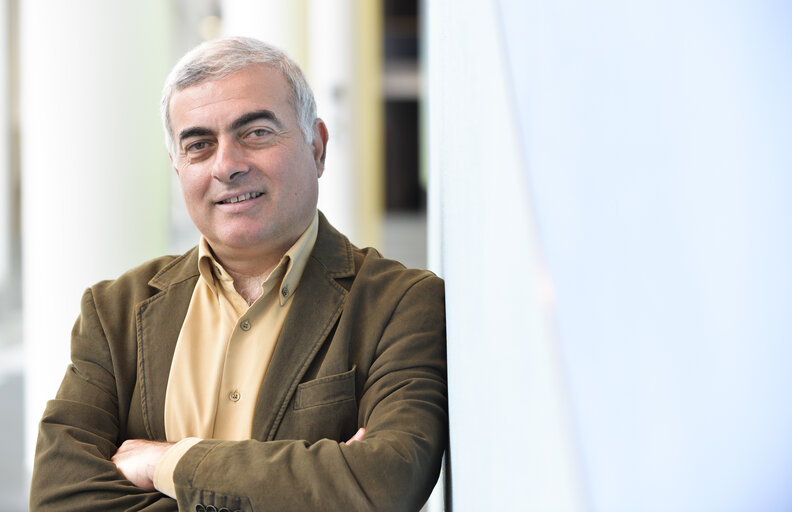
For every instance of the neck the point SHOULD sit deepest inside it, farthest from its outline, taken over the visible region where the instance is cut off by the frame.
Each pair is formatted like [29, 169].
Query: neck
[249, 265]
[249, 269]
[249, 287]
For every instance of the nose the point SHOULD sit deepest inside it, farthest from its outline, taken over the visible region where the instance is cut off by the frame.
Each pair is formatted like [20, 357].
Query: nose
[230, 162]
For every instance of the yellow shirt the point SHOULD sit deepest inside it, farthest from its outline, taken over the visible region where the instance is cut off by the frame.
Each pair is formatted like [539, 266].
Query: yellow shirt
[222, 353]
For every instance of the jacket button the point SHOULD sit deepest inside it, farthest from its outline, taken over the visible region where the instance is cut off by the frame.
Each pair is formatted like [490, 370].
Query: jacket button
[211, 508]
[245, 325]
[200, 508]
[223, 510]
[234, 396]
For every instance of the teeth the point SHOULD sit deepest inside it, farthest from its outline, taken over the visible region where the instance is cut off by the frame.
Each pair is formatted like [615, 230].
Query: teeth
[243, 197]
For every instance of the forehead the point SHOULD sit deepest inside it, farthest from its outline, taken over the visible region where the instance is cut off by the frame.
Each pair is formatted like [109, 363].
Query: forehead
[258, 87]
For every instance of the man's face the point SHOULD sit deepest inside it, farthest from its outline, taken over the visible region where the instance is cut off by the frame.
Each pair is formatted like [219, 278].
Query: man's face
[249, 178]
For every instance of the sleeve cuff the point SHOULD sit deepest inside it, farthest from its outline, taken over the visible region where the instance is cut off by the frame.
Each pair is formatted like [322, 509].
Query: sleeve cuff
[163, 473]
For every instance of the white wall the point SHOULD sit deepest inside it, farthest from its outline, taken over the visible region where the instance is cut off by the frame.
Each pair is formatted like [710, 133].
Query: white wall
[641, 151]
[511, 448]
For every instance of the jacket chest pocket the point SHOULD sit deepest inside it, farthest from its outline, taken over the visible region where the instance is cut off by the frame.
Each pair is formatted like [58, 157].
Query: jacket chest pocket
[324, 408]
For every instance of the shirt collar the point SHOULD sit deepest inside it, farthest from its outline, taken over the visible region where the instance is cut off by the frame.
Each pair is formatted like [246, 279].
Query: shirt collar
[291, 265]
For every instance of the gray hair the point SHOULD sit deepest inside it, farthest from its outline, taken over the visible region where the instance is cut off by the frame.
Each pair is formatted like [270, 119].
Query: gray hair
[219, 58]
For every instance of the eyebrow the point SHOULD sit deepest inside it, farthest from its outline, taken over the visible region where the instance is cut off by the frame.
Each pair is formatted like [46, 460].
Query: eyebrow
[257, 115]
[193, 132]
[241, 121]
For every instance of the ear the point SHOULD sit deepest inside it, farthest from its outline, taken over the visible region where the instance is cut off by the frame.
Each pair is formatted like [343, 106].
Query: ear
[319, 145]
[173, 164]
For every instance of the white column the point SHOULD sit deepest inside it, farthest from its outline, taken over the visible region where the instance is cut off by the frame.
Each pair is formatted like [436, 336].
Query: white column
[94, 167]
[345, 56]
[332, 73]
[5, 161]
[278, 22]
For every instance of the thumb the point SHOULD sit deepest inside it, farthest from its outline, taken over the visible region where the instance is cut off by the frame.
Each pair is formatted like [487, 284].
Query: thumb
[357, 437]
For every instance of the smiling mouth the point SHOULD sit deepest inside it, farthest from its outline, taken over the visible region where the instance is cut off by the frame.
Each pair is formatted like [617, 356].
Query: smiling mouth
[243, 197]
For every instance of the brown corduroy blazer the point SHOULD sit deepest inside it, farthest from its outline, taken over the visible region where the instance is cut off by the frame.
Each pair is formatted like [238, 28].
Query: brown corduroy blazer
[363, 346]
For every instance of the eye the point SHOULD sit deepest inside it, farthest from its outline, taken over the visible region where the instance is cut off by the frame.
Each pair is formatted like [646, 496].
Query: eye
[259, 132]
[196, 147]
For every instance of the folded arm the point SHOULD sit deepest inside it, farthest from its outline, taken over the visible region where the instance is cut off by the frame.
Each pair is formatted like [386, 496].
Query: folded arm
[137, 459]
[79, 433]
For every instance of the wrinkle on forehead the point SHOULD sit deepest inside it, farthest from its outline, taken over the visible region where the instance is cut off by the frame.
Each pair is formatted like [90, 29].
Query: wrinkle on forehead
[255, 88]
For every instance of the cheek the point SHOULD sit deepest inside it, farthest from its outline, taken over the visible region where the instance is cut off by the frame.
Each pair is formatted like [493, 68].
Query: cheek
[193, 193]
[191, 183]
[300, 177]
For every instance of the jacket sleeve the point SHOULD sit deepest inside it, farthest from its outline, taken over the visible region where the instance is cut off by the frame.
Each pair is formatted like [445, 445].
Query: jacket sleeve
[79, 433]
[403, 406]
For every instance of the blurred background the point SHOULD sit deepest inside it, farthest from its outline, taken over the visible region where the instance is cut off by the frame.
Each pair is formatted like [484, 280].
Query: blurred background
[604, 187]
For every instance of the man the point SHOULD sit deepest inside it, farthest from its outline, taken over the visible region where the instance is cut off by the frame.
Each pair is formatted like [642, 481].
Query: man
[273, 367]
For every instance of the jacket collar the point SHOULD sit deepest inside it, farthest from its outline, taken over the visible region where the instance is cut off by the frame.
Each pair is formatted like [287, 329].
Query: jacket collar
[180, 269]
[332, 251]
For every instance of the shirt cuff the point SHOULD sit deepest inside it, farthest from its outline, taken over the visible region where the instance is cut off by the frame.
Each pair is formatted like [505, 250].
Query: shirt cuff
[163, 473]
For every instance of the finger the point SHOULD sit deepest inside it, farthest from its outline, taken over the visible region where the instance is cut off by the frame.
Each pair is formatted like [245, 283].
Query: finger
[357, 437]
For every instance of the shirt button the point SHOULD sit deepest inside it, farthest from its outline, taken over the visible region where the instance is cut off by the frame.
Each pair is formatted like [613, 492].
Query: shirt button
[234, 396]
[245, 325]
[285, 291]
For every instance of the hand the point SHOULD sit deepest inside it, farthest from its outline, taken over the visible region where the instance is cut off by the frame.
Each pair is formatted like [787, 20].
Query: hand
[357, 437]
[137, 459]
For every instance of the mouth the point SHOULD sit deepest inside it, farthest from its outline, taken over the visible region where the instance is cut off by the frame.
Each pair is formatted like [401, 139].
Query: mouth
[240, 198]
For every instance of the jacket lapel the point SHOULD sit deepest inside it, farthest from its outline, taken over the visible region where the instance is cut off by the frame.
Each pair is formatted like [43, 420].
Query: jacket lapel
[159, 320]
[317, 306]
